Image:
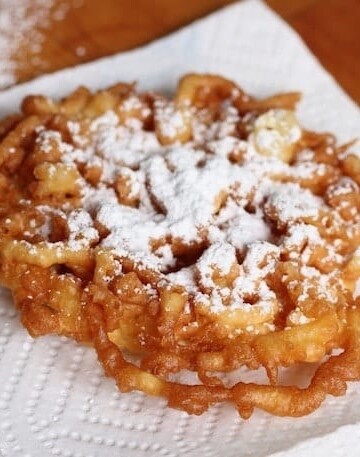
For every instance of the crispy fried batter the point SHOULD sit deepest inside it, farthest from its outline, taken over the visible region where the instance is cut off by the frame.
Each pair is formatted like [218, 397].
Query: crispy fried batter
[210, 304]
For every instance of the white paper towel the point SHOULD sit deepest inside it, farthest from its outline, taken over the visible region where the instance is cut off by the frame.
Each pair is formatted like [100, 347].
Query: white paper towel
[54, 400]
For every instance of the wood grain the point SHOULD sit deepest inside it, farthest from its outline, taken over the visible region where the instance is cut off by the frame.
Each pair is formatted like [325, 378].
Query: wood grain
[96, 28]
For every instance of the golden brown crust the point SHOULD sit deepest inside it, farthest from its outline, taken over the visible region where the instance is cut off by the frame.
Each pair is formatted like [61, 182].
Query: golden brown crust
[67, 280]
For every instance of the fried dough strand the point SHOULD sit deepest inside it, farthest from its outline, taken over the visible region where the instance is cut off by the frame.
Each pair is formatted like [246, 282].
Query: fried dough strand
[282, 295]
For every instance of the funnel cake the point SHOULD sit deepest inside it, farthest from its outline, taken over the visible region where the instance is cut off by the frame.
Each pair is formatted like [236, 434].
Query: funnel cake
[206, 233]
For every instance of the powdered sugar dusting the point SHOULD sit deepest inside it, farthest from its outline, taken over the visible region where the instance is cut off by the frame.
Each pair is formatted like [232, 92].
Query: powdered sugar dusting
[239, 209]
[22, 22]
[290, 203]
[81, 229]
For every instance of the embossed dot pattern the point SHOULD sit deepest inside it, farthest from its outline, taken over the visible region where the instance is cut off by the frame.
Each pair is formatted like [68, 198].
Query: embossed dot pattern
[61, 403]
[69, 409]
[54, 399]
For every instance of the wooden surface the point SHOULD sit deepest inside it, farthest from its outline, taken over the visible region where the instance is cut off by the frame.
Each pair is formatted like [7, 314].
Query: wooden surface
[88, 29]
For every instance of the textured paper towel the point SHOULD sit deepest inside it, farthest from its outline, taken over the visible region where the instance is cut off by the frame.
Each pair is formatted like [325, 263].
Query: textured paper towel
[54, 400]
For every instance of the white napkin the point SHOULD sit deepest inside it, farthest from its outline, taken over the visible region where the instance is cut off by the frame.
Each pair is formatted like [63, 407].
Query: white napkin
[54, 400]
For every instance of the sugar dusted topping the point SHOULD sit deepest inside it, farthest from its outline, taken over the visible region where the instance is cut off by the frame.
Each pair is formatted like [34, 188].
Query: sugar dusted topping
[24, 24]
[219, 256]
[237, 204]
[177, 235]
[170, 120]
[225, 126]
[291, 203]
[275, 132]
[81, 229]
[324, 289]
[297, 317]
[344, 186]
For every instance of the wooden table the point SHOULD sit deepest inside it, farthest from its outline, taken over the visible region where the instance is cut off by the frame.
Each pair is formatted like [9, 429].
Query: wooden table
[76, 31]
